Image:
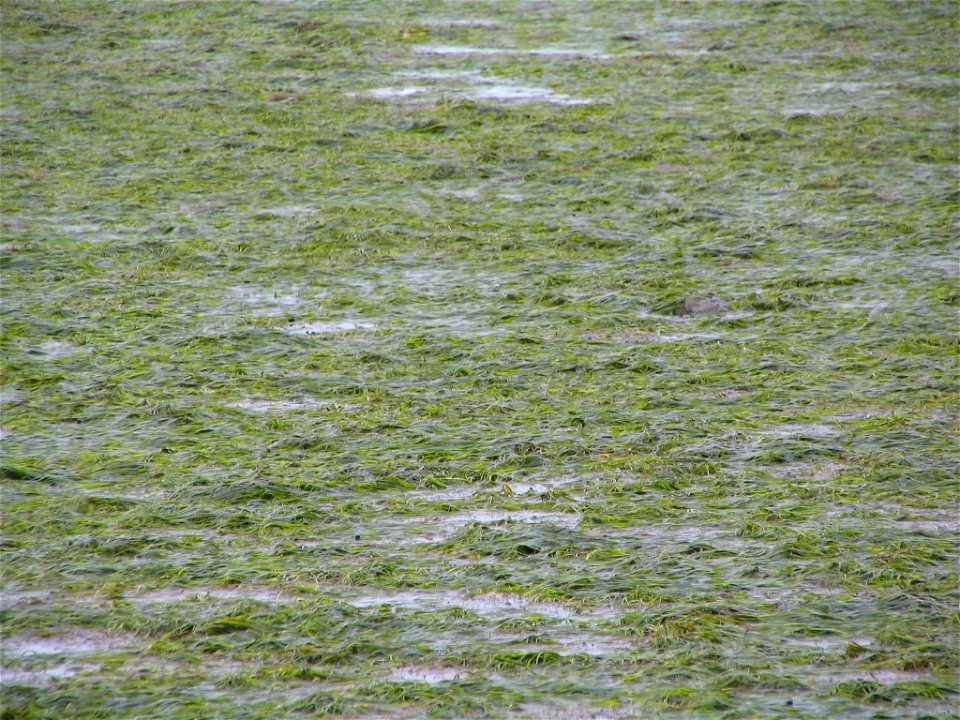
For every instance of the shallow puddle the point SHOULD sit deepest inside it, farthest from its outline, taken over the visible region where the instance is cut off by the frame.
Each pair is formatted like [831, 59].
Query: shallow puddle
[79, 642]
[458, 492]
[426, 674]
[460, 22]
[538, 488]
[489, 604]
[447, 526]
[40, 677]
[266, 406]
[830, 643]
[544, 51]
[262, 296]
[287, 210]
[791, 594]
[181, 594]
[10, 394]
[54, 349]
[683, 337]
[593, 645]
[265, 302]
[573, 711]
[322, 327]
[816, 473]
[518, 93]
[401, 92]
[800, 429]
[665, 534]
[881, 676]
[485, 89]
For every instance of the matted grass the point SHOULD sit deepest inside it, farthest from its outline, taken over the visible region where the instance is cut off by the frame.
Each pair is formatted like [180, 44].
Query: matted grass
[479, 360]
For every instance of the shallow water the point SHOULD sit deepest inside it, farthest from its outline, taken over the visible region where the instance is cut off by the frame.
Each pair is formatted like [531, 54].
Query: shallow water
[324, 327]
[200, 594]
[265, 406]
[567, 52]
[497, 604]
[73, 643]
[40, 677]
[426, 674]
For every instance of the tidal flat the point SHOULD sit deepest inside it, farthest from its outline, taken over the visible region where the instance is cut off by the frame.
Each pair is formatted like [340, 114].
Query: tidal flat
[528, 361]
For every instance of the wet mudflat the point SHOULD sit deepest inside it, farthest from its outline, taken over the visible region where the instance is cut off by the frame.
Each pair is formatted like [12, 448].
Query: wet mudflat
[542, 360]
